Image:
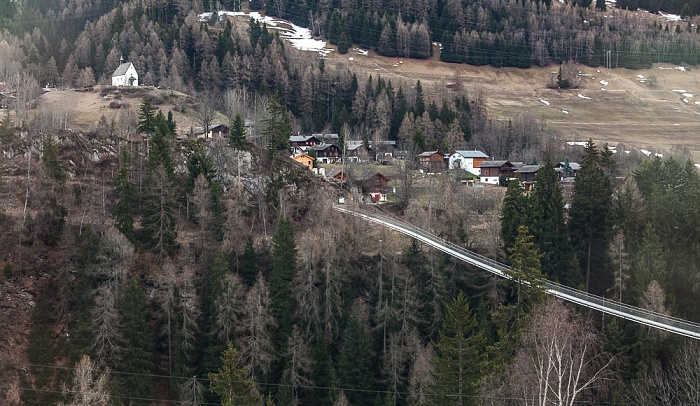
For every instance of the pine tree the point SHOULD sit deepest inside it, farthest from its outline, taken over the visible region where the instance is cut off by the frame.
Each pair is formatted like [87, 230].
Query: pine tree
[137, 354]
[158, 221]
[548, 227]
[278, 127]
[590, 222]
[237, 133]
[125, 192]
[459, 358]
[284, 259]
[232, 383]
[514, 212]
[147, 118]
[249, 262]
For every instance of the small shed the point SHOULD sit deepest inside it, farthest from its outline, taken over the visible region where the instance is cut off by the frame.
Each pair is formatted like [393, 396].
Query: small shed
[125, 75]
[527, 175]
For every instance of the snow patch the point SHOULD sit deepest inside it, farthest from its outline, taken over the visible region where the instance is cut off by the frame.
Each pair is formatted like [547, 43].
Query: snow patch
[565, 112]
[584, 97]
[351, 59]
[577, 143]
[679, 91]
[645, 152]
[544, 101]
[680, 68]
[640, 76]
[670, 17]
[685, 101]
[604, 82]
[690, 95]
[299, 37]
[360, 51]
[659, 155]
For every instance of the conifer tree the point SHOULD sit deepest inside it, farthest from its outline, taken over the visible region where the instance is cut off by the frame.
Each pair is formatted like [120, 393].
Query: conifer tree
[137, 354]
[355, 359]
[459, 358]
[548, 227]
[237, 133]
[49, 158]
[249, 262]
[278, 127]
[590, 222]
[125, 192]
[147, 118]
[284, 259]
[158, 221]
[233, 383]
[514, 212]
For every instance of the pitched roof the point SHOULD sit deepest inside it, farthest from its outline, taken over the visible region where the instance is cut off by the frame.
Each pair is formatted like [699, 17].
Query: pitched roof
[494, 164]
[471, 154]
[426, 153]
[121, 70]
[321, 147]
[301, 138]
[528, 169]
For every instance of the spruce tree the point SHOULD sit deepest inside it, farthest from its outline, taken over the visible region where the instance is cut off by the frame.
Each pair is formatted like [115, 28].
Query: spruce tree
[514, 212]
[233, 383]
[158, 221]
[136, 358]
[147, 116]
[249, 262]
[278, 127]
[356, 368]
[590, 222]
[548, 227]
[237, 133]
[125, 192]
[284, 258]
[459, 360]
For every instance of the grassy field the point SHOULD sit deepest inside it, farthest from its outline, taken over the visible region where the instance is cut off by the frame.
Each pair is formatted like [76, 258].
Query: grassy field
[638, 108]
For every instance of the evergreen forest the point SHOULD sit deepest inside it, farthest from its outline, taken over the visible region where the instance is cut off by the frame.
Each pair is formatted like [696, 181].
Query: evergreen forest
[143, 268]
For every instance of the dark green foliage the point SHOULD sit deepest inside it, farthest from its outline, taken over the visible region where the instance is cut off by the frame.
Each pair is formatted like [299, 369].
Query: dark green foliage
[590, 222]
[283, 269]
[249, 262]
[7, 127]
[50, 222]
[278, 127]
[460, 355]
[548, 226]
[125, 193]
[233, 383]
[49, 158]
[137, 354]
[147, 118]
[158, 221]
[237, 133]
[356, 369]
[514, 212]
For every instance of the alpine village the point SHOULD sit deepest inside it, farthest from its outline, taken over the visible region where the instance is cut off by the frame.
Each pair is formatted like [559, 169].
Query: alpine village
[349, 202]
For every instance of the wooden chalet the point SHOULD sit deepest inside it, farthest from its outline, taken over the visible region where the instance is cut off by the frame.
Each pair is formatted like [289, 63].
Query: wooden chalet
[493, 171]
[304, 159]
[527, 175]
[431, 161]
[327, 153]
[214, 131]
[338, 175]
[375, 185]
[303, 141]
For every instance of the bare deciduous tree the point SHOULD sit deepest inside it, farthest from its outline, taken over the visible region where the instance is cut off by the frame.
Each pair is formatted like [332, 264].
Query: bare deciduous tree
[257, 350]
[299, 363]
[229, 307]
[422, 376]
[559, 360]
[89, 385]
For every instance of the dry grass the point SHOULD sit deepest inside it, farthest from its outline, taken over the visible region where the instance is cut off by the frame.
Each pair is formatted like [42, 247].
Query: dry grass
[641, 115]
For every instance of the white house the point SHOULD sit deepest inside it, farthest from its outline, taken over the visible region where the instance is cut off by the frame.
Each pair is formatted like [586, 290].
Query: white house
[125, 75]
[467, 160]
